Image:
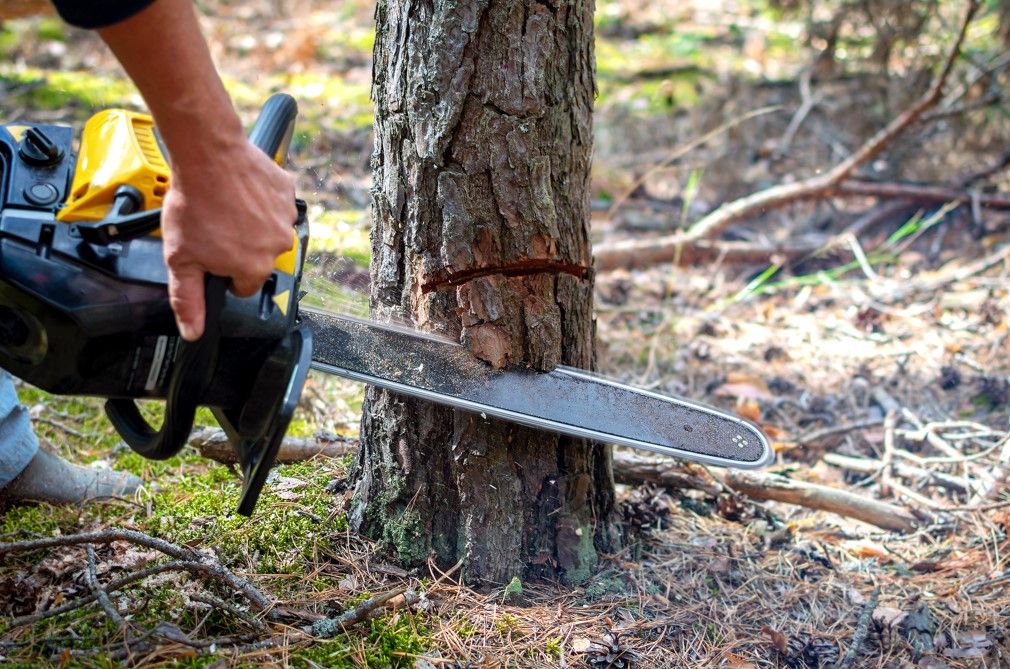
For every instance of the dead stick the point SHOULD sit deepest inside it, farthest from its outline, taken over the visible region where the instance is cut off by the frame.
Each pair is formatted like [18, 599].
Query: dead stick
[639, 253]
[91, 580]
[870, 466]
[890, 422]
[920, 193]
[645, 252]
[777, 196]
[632, 469]
[113, 586]
[213, 443]
[822, 433]
[763, 486]
[200, 563]
[331, 626]
[862, 627]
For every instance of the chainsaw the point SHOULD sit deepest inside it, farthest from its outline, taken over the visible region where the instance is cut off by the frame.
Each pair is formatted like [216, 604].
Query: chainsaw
[84, 310]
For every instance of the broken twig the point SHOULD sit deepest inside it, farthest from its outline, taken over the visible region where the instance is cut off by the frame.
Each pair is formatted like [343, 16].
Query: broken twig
[862, 628]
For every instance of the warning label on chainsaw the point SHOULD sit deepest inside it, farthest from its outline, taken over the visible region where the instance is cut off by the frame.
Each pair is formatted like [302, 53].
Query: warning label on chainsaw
[152, 363]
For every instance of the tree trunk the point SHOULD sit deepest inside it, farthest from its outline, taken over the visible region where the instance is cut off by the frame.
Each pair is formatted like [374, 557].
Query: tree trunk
[483, 136]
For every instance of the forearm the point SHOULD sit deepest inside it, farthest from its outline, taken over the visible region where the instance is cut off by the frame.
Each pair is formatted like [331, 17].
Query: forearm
[163, 51]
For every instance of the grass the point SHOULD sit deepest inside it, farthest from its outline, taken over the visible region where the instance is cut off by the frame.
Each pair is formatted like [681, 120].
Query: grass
[53, 89]
[889, 252]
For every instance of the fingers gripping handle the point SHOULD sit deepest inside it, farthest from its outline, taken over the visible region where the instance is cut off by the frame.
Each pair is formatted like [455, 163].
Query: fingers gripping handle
[194, 369]
[197, 361]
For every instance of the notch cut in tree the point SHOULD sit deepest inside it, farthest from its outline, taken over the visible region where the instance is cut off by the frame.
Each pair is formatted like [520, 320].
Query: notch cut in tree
[483, 142]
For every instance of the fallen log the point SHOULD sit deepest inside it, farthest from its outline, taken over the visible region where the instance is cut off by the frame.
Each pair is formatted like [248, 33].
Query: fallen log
[633, 469]
[213, 443]
[774, 487]
[684, 252]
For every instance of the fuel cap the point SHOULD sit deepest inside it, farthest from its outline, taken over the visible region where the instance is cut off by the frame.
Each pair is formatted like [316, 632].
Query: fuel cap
[37, 149]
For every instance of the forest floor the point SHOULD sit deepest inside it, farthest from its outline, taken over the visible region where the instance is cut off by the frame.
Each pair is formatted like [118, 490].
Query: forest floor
[877, 361]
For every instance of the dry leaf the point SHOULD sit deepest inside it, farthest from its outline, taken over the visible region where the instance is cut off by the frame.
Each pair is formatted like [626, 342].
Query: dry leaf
[737, 662]
[863, 549]
[749, 409]
[773, 432]
[888, 616]
[581, 645]
[973, 643]
[778, 639]
[743, 390]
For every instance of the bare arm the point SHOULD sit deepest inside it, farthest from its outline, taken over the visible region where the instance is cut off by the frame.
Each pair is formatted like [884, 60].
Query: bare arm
[229, 208]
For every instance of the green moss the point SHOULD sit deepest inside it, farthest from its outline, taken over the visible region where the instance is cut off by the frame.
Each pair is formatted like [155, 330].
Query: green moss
[604, 586]
[51, 29]
[390, 642]
[37, 520]
[293, 515]
[553, 648]
[506, 624]
[464, 629]
[513, 590]
[404, 533]
[587, 558]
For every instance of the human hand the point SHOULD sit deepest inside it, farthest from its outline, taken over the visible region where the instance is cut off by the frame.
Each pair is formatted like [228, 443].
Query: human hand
[229, 211]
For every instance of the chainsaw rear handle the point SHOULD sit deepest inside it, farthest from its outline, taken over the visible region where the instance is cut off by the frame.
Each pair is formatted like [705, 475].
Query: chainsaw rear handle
[197, 361]
[194, 370]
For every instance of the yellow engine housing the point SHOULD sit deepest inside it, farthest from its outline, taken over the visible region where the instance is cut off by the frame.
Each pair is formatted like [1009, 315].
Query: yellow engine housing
[118, 147]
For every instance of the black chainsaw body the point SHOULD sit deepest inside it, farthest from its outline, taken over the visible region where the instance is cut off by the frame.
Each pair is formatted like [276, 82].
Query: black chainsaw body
[83, 314]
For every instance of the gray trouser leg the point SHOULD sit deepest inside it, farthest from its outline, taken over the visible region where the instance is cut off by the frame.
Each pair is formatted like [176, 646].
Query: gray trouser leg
[18, 444]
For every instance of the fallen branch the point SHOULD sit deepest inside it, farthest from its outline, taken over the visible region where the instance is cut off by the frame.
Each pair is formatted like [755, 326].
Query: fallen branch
[332, 626]
[113, 586]
[763, 486]
[667, 248]
[920, 193]
[815, 436]
[633, 469]
[213, 443]
[194, 561]
[91, 580]
[645, 252]
[777, 196]
[870, 466]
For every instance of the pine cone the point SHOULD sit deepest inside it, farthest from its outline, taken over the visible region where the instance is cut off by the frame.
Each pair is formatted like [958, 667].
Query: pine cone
[804, 651]
[821, 652]
[646, 509]
[607, 653]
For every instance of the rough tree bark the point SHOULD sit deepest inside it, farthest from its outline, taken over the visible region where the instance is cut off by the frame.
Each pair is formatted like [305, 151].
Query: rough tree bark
[481, 231]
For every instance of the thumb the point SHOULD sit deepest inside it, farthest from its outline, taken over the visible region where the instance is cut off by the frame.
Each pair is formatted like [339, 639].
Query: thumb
[186, 295]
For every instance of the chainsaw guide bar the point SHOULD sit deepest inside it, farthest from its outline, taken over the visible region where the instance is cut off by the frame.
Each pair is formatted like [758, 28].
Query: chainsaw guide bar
[566, 400]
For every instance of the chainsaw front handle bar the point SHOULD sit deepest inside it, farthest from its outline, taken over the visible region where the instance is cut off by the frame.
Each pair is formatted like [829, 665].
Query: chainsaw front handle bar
[197, 361]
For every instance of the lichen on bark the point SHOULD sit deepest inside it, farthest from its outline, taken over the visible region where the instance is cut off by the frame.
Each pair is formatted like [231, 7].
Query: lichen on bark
[481, 232]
